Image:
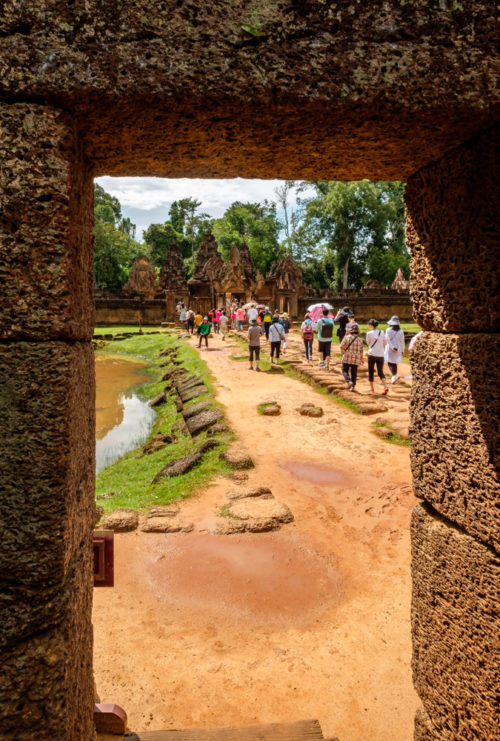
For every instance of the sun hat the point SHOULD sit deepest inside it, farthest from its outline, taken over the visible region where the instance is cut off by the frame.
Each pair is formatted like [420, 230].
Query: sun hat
[394, 320]
[346, 310]
[285, 313]
[352, 328]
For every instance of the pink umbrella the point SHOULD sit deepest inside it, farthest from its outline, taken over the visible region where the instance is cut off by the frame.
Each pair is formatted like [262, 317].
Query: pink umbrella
[316, 311]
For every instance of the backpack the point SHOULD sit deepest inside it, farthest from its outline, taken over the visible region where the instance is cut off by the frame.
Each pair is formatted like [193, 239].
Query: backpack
[308, 332]
[286, 324]
[326, 331]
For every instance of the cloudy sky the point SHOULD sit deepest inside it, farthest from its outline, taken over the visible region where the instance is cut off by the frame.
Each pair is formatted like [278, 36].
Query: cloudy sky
[147, 200]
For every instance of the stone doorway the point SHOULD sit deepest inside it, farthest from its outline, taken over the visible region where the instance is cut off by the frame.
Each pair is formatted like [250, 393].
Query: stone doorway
[299, 90]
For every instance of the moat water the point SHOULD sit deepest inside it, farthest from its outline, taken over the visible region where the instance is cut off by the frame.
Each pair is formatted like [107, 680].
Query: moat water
[123, 419]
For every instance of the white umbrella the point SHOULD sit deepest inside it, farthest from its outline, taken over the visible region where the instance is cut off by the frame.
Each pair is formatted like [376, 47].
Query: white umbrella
[320, 306]
[250, 305]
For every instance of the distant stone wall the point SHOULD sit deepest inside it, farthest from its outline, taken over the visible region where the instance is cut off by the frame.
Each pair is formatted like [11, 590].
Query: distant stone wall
[127, 311]
[366, 307]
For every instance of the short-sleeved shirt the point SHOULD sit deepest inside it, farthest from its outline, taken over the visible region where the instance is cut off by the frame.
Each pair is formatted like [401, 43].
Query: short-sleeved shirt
[198, 319]
[276, 332]
[223, 321]
[241, 315]
[376, 342]
[319, 327]
[254, 333]
[252, 314]
[205, 328]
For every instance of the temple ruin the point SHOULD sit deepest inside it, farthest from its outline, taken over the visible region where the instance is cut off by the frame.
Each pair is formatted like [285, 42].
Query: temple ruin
[405, 91]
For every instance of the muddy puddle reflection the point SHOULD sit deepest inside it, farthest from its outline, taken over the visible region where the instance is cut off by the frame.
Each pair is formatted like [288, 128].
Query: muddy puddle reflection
[312, 472]
[123, 420]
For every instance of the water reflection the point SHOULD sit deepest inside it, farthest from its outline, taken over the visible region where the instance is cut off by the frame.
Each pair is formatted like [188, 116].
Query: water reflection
[133, 430]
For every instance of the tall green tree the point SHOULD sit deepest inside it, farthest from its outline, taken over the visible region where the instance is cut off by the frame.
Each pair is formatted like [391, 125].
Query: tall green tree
[356, 230]
[185, 225]
[115, 246]
[256, 224]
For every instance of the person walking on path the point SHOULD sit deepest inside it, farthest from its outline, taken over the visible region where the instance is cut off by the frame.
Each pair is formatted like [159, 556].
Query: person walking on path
[266, 320]
[324, 327]
[204, 331]
[395, 346]
[285, 321]
[233, 316]
[276, 336]
[197, 320]
[352, 349]
[183, 317]
[252, 314]
[342, 319]
[190, 321]
[253, 337]
[223, 323]
[307, 329]
[376, 341]
[240, 315]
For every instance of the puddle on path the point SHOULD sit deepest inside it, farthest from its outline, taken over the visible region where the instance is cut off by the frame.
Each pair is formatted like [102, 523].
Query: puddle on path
[123, 421]
[314, 473]
[267, 577]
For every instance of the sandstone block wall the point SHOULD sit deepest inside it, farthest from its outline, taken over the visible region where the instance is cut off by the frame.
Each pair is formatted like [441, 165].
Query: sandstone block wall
[45, 226]
[47, 435]
[455, 628]
[455, 429]
[452, 209]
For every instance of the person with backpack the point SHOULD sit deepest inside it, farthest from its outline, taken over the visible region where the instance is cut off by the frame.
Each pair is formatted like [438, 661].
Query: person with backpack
[376, 341]
[204, 331]
[190, 321]
[276, 336]
[395, 346]
[324, 328]
[352, 349]
[266, 321]
[286, 324]
[307, 329]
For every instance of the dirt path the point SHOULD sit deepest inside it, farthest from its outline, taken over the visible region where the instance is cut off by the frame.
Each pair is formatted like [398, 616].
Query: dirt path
[311, 621]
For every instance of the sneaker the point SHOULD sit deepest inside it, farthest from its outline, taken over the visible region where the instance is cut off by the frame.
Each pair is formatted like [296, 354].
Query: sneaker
[394, 379]
[371, 391]
[327, 367]
[350, 386]
[322, 364]
[258, 369]
[251, 367]
[386, 390]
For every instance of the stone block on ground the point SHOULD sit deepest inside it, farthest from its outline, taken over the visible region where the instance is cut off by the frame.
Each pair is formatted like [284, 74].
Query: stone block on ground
[203, 420]
[188, 383]
[121, 521]
[455, 432]
[255, 491]
[310, 410]
[157, 400]
[184, 464]
[239, 476]
[188, 412]
[237, 458]
[217, 429]
[269, 409]
[254, 515]
[370, 406]
[455, 627]
[157, 442]
[161, 524]
[46, 217]
[193, 393]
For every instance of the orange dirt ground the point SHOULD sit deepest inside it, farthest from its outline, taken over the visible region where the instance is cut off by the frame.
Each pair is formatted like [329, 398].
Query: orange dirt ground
[311, 621]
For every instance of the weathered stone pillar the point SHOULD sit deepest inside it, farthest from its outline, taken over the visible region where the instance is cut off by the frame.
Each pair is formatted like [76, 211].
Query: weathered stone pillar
[452, 217]
[47, 431]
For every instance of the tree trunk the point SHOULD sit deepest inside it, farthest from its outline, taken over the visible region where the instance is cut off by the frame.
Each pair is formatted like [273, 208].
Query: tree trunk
[345, 281]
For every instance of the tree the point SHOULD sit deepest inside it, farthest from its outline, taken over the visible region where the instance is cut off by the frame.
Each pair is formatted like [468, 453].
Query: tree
[158, 238]
[256, 224]
[184, 225]
[358, 228]
[115, 247]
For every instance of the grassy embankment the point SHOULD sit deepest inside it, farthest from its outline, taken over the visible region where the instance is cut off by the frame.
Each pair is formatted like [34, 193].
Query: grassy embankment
[127, 482]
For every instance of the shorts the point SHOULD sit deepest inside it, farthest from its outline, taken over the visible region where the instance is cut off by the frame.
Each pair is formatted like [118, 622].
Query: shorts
[254, 351]
[324, 347]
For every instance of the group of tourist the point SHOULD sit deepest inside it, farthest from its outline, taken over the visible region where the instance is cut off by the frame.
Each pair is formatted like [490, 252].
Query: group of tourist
[383, 347]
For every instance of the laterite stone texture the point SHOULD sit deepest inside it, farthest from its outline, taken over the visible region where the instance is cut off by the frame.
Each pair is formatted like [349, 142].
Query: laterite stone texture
[455, 435]
[345, 89]
[455, 627]
[46, 213]
[452, 212]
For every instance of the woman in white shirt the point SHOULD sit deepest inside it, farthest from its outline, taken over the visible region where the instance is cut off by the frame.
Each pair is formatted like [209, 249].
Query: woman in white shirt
[395, 346]
[376, 341]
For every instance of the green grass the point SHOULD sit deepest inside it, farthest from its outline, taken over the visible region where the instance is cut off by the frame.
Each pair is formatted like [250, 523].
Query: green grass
[125, 328]
[393, 438]
[129, 479]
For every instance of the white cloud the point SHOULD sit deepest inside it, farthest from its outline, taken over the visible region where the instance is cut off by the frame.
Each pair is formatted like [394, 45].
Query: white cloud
[147, 200]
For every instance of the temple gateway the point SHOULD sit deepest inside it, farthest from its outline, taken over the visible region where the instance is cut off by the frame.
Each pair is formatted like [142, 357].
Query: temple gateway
[149, 299]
